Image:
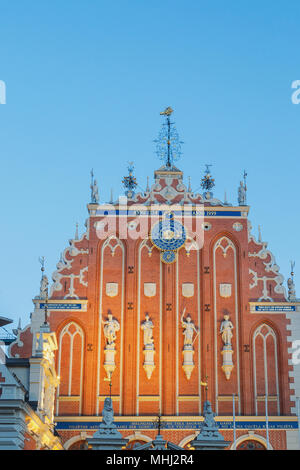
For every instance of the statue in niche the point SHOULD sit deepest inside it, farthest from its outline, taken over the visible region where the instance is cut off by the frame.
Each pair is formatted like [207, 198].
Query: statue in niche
[226, 330]
[189, 329]
[111, 326]
[147, 326]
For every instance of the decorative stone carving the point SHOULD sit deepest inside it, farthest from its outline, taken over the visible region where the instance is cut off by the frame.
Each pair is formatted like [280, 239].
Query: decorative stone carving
[188, 289]
[225, 290]
[149, 365]
[188, 348]
[132, 224]
[147, 327]
[44, 287]
[242, 194]
[237, 226]
[111, 289]
[206, 226]
[94, 190]
[110, 327]
[226, 332]
[291, 289]
[149, 289]
[107, 437]
[209, 437]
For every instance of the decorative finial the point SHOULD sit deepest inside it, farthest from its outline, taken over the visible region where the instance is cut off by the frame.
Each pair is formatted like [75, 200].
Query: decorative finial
[111, 196]
[207, 183]
[129, 181]
[44, 287]
[76, 232]
[259, 234]
[189, 188]
[242, 191]
[147, 188]
[292, 269]
[18, 329]
[167, 112]
[291, 284]
[94, 189]
[225, 198]
[168, 145]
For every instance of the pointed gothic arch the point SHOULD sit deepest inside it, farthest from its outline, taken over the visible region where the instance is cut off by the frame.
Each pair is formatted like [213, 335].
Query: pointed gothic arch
[70, 364]
[265, 367]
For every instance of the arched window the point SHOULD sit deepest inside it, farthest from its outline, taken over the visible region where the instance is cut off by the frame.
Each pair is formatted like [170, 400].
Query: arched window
[251, 444]
[70, 362]
[265, 370]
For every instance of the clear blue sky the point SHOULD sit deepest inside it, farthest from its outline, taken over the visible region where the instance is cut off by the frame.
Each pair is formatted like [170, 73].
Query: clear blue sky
[86, 80]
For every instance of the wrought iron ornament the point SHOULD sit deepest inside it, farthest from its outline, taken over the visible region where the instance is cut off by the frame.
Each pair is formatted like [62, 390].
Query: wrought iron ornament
[168, 235]
[168, 145]
[207, 182]
[129, 181]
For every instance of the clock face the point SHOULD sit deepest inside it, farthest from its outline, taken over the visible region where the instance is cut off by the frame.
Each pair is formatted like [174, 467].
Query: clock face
[168, 235]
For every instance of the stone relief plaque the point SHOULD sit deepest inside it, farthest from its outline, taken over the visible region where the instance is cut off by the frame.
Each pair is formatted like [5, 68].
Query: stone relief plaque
[188, 289]
[149, 289]
[225, 290]
[112, 289]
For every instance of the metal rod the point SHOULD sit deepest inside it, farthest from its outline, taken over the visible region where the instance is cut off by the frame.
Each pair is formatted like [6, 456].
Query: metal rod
[233, 420]
[168, 162]
[267, 421]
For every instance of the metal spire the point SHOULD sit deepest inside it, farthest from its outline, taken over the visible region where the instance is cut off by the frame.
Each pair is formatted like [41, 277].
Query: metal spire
[168, 145]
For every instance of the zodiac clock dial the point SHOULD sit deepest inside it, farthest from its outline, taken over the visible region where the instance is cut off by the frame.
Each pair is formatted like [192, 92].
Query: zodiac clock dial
[168, 235]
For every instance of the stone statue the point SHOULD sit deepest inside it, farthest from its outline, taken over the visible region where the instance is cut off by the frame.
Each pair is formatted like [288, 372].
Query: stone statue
[242, 194]
[147, 327]
[226, 330]
[209, 415]
[111, 326]
[44, 287]
[189, 329]
[107, 413]
[94, 192]
[292, 289]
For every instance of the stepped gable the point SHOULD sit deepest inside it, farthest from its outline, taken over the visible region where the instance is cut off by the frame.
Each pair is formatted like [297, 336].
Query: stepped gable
[265, 280]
